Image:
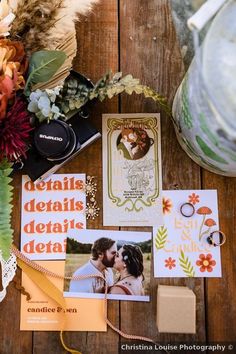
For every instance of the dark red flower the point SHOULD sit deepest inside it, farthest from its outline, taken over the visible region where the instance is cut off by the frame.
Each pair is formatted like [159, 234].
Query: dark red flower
[14, 131]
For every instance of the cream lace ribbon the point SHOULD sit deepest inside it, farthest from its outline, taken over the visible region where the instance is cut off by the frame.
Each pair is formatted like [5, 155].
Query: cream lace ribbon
[8, 272]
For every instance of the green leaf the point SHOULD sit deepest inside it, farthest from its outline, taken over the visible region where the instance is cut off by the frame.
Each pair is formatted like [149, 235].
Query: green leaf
[186, 265]
[208, 152]
[43, 65]
[161, 237]
[213, 138]
[6, 195]
[205, 128]
[186, 115]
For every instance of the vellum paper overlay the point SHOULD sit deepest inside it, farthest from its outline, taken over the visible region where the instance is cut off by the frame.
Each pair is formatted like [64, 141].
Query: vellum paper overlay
[131, 170]
[180, 244]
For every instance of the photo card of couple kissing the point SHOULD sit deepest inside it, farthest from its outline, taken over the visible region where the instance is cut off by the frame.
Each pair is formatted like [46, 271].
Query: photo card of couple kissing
[122, 258]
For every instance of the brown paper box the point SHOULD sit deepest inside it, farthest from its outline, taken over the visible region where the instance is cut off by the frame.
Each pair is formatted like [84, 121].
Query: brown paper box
[176, 309]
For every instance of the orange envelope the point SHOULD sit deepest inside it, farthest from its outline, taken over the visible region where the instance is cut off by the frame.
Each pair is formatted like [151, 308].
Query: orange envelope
[42, 313]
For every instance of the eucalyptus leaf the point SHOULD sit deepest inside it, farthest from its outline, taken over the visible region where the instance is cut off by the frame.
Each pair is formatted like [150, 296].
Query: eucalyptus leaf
[43, 65]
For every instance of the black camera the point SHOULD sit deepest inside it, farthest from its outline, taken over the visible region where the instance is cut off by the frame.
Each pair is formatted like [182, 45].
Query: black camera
[56, 142]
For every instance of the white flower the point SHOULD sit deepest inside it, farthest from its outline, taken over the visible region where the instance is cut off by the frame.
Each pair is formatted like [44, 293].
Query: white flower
[35, 96]
[46, 111]
[42, 104]
[33, 107]
[55, 109]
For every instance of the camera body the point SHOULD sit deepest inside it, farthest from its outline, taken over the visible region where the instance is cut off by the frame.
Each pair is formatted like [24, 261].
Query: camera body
[56, 142]
[52, 148]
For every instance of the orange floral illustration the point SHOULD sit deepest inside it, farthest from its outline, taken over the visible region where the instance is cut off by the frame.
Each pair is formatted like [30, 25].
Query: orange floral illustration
[206, 263]
[193, 198]
[166, 205]
[170, 263]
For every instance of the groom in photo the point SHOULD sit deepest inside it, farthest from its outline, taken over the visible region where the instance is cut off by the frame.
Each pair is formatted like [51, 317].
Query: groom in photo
[103, 253]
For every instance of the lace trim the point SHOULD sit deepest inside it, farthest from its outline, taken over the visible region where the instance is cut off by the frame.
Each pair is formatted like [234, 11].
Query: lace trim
[8, 272]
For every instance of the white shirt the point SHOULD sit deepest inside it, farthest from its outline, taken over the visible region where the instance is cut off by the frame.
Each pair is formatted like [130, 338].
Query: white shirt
[90, 285]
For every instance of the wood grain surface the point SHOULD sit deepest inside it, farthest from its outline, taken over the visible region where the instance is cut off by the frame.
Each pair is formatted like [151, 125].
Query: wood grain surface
[136, 37]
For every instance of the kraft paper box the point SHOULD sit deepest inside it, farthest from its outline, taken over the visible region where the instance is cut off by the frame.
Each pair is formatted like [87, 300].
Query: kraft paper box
[176, 309]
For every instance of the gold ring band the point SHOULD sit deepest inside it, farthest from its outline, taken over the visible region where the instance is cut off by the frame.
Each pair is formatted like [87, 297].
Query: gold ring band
[222, 237]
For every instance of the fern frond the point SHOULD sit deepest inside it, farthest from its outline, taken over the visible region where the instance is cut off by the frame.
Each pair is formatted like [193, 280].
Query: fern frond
[6, 195]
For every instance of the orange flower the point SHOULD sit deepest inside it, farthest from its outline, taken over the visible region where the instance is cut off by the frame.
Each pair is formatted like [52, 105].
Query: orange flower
[13, 65]
[193, 198]
[170, 263]
[166, 205]
[12, 58]
[206, 262]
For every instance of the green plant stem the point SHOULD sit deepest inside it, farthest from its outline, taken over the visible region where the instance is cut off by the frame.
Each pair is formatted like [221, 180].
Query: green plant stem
[200, 231]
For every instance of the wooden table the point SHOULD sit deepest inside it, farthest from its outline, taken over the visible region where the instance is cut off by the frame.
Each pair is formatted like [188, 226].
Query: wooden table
[137, 37]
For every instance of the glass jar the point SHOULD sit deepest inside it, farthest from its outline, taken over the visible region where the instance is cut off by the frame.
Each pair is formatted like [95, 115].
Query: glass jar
[204, 108]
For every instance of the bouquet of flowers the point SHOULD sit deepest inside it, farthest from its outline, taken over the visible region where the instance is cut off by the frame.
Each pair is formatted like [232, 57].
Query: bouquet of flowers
[37, 46]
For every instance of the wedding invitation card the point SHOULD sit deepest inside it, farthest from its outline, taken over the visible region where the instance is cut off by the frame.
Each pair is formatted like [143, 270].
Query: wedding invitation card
[131, 170]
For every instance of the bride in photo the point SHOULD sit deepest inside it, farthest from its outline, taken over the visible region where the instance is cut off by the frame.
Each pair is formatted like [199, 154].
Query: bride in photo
[129, 265]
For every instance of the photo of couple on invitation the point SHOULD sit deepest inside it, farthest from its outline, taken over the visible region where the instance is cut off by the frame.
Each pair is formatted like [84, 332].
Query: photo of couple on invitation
[123, 258]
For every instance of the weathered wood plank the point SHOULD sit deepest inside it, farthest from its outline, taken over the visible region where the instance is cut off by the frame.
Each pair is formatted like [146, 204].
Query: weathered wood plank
[220, 292]
[97, 53]
[149, 51]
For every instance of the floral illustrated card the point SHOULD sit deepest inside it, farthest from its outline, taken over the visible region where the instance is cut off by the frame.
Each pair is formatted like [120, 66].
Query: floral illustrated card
[180, 245]
[131, 170]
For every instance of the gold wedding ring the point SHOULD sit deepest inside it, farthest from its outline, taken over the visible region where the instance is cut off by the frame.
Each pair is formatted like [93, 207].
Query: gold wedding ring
[211, 238]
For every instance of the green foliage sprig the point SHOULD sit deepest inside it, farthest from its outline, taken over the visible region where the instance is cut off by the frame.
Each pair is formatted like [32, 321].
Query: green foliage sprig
[107, 87]
[186, 265]
[6, 195]
[161, 237]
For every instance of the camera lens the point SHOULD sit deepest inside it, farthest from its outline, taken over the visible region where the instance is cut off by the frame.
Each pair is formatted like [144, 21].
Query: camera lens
[70, 148]
[54, 140]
